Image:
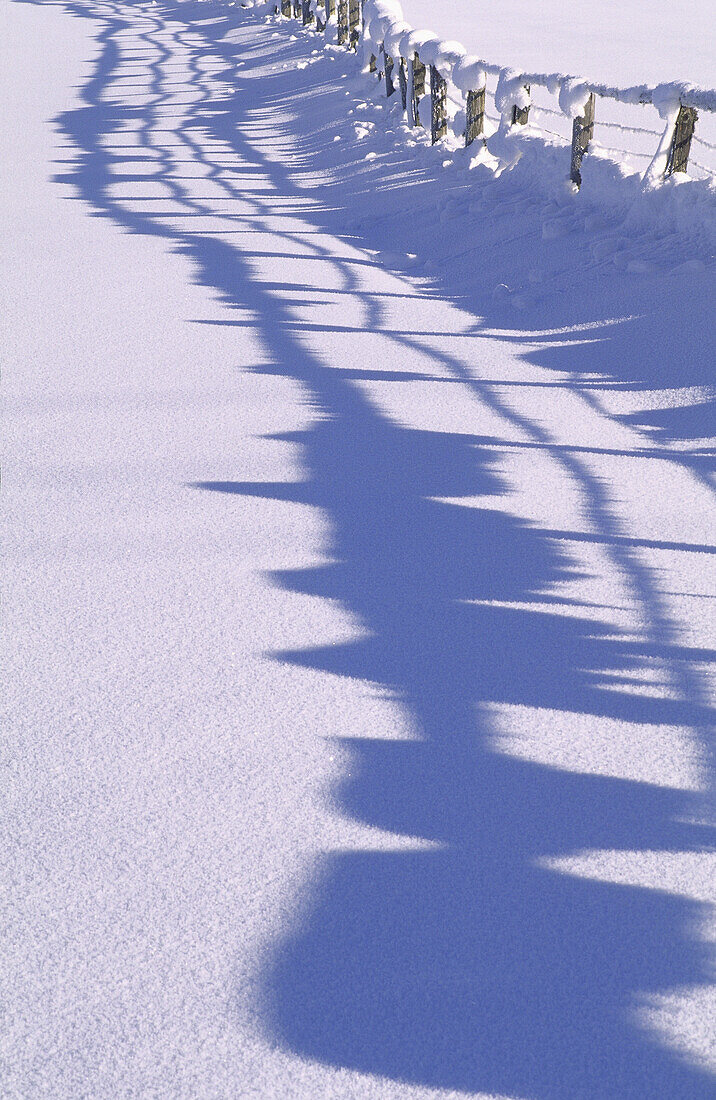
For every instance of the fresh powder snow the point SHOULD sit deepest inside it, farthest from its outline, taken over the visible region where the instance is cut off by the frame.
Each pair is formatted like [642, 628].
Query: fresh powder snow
[359, 567]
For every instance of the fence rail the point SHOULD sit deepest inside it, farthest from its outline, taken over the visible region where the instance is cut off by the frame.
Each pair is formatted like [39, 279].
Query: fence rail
[426, 66]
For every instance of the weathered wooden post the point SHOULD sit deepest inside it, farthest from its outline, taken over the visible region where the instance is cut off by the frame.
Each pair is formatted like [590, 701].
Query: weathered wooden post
[372, 63]
[582, 132]
[389, 85]
[418, 88]
[307, 14]
[475, 116]
[520, 115]
[297, 8]
[354, 23]
[438, 98]
[286, 8]
[342, 22]
[680, 147]
[403, 82]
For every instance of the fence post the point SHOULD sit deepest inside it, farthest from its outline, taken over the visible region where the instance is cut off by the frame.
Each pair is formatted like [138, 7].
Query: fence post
[403, 82]
[307, 13]
[680, 147]
[438, 102]
[297, 8]
[582, 131]
[475, 116]
[286, 8]
[354, 22]
[521, 114]
[389, 65]
[418, 87]
[342, 22]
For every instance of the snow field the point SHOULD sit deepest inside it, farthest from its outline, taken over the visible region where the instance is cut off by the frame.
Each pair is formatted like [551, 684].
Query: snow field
[359, 599]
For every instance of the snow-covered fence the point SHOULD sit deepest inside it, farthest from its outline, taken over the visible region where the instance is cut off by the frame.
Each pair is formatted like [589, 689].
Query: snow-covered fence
[457, 85]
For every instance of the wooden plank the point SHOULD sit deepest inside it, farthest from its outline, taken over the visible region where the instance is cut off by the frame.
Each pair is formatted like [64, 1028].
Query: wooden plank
[418, 88]
[680, 147]
[354, 22]
[342, 22]
[389, 85]
[521, 114]
[403, 82]
[475, 116]
[438, 98]
[582, 132]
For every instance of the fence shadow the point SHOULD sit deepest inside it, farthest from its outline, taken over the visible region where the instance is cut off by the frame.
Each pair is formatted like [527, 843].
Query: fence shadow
[468, 963]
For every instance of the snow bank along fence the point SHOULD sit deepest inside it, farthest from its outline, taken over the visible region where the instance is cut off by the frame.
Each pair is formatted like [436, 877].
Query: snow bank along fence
[402, 57]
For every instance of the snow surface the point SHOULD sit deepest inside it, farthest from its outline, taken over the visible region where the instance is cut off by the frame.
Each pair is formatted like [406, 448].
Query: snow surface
[358, 599]
[616, 41]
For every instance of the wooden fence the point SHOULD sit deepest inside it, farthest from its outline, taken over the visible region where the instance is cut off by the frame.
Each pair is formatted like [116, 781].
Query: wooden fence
[427, 71]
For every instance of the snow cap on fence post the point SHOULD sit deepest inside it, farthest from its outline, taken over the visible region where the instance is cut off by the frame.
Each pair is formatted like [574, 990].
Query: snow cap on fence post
[393, 35]
[512, 99]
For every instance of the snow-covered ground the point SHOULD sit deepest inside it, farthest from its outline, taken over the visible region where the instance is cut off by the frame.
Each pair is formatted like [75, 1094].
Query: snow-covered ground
[616, 41]
[358, 590]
